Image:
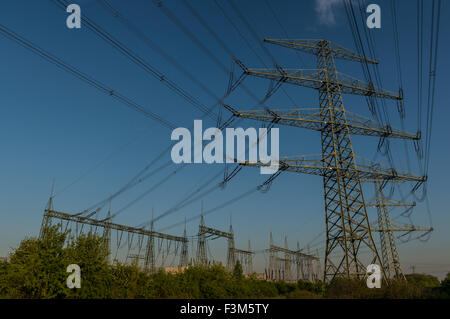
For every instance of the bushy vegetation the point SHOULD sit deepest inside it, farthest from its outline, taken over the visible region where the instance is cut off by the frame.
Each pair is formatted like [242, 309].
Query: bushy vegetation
[351, 289]
[37, 269]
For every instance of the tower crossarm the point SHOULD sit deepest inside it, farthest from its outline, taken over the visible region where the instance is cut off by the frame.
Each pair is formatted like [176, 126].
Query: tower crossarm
[216, 232]
[314, 46]
[312, 118]
[106, 224]
[315, 79]
[367, 170]
[389, 203]
[292, 252]
[400, 227]
[136, 256]
[242, 251]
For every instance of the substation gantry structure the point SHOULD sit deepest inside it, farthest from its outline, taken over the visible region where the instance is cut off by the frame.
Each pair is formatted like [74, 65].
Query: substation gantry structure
[347, 225]
[293, 266]
[205, 232]
[245, 257]
[386, 228]
[107, 226]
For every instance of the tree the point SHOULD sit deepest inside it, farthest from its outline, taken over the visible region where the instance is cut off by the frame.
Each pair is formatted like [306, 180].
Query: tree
[445, 286]
[423, 280]
[89, 252]
[37, 268]
[237, 271]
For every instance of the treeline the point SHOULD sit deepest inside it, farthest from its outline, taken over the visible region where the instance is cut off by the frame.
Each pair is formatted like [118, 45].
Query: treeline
[37, 269]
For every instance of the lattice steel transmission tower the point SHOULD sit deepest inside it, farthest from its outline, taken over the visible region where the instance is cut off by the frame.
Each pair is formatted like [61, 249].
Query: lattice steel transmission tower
[201, 243]
[149, 258]
[231, 257]
[347, 225]
[46, 220]
[388, 243]
[249, 259]
[287, 264]
[184, 258]
[318, 268]
[107, 237]
[386, 228]
[299, 264]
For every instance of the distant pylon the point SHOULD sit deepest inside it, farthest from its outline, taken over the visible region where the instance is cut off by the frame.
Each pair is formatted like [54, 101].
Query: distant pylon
[249, 260]
[184, 248]
[273, 271]
[287, 262]
[298, 264]
[386, 229]
[319, 268]
[107, 236]
[231, 260]
[201, 243]
[149, 259]
[46, 219]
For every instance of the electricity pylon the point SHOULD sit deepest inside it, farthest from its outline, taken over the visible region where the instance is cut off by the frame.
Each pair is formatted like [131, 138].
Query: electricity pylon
[201, 244]
[287, 264]
[299, 265]
[347, 224]
[107, 237]
[149, 258]
[386, 229]
[231, 257]
[184, 249]
[318, 267]
[46, 220]
[249, 259]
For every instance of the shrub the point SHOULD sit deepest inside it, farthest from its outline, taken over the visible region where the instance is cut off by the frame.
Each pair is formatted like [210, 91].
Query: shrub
[37, 269]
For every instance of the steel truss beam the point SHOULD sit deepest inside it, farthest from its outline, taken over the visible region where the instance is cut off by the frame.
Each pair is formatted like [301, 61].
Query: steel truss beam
[312, 118]
[106, 224]
[366, 170]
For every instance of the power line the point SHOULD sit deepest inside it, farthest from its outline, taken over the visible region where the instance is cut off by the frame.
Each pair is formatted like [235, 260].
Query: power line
[192, 36]
[190, 198]
[434, 45]
[86, 78]
[419, 23]
[186, 30]
[216, 208]
[283, 29]
[151, 44]
[258, 40]
[98, 164]
[152, 70]
[139, 61]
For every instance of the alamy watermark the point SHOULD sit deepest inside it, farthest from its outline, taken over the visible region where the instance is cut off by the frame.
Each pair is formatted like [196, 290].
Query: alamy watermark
[374, 19]
[74, 279]
[374, 278]
[73, 21]
[235, 146]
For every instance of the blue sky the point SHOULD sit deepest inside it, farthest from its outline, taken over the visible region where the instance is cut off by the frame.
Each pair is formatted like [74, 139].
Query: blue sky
[55, 127]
